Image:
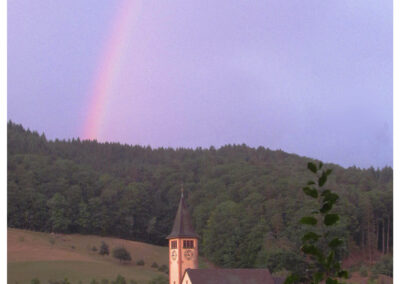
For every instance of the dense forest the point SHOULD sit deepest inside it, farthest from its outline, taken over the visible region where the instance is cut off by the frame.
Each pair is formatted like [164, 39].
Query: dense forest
[245, 202]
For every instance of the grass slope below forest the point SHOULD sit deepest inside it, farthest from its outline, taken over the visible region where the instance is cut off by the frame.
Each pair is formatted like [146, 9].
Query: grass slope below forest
[56, 256]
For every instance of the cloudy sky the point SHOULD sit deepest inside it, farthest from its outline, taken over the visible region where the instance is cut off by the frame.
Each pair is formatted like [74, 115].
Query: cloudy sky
[308, 77]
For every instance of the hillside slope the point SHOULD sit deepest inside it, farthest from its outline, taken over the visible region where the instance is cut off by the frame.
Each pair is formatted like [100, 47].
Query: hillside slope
[245, 202]
[56, 256]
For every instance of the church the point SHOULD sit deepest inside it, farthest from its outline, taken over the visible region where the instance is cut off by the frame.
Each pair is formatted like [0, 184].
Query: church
[183, 258]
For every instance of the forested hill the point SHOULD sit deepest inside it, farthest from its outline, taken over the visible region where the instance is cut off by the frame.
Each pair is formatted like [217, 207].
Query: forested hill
[245, 202]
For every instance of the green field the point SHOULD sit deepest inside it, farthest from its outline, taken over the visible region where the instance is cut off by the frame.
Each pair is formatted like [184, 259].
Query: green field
[54, 257]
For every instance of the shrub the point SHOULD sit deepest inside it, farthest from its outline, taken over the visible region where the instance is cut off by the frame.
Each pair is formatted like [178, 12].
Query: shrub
[65, 281]
[163, 268]
[104, 249]
[384, 266]
[120, 280]
[140, 262]
[94, 248]
[154, 265]
[94, 281]
[355, 267]
[363, 271]
[281, 259]
[35, 281]
[159, 280]
[122, 254]
[104, 281]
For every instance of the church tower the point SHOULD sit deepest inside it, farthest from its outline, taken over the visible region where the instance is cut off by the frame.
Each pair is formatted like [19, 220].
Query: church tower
[183, 244]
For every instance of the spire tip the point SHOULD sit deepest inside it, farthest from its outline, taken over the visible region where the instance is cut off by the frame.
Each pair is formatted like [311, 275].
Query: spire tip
[182, 189]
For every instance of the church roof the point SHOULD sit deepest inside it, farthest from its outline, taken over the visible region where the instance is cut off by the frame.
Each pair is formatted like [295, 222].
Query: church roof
[182, 224]
[230, 276]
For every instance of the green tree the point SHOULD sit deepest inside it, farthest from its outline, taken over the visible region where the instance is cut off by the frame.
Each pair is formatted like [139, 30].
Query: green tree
[223, 234]
[58, 213]
[83, 217]
[277, 224]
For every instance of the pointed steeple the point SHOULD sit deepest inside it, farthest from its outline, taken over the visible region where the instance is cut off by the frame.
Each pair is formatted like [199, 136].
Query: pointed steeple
[182, 190]
[182, 224]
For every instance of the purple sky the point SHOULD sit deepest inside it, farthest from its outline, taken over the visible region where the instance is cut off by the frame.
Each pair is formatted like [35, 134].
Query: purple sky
[308, 77]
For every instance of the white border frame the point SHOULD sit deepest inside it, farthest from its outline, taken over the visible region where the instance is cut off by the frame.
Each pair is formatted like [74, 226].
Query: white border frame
[3, 140]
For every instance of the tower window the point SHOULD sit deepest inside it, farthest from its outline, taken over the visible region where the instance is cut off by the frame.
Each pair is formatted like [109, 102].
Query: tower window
[188, 244]
[173, 245]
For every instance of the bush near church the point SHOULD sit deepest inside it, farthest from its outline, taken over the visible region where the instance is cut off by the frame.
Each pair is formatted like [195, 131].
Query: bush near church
[122, 254]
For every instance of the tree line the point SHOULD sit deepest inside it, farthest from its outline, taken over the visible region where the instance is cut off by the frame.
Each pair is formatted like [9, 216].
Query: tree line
[245, 202]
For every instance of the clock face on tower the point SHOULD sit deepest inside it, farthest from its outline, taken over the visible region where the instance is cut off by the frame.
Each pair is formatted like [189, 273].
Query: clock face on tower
[173, 255]
[188, 254]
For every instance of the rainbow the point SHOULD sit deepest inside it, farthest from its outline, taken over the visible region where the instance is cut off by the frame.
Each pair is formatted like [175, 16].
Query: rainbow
[109, 67]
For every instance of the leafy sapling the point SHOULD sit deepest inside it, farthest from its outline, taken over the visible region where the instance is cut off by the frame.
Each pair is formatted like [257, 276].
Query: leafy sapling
[321, 248]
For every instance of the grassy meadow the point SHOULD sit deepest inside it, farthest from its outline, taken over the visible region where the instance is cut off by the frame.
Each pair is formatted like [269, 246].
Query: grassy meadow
[56, 256]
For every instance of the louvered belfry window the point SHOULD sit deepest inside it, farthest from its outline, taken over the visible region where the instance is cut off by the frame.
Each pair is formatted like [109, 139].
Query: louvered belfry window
[188, 244]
